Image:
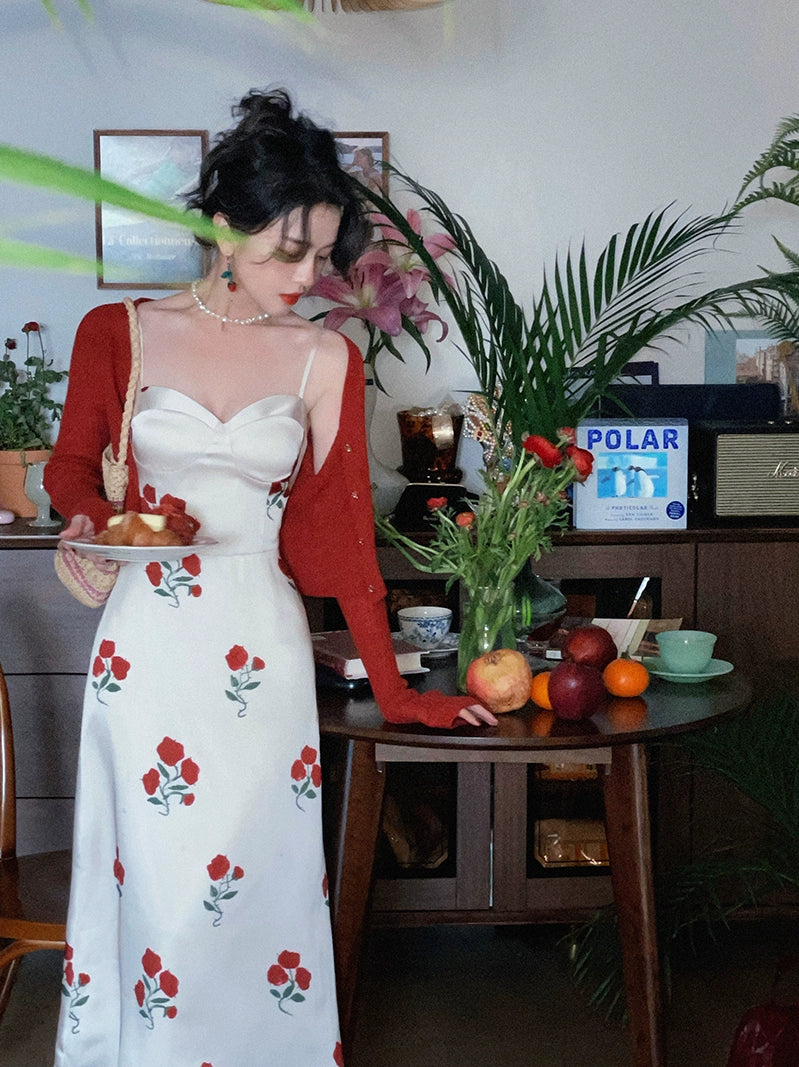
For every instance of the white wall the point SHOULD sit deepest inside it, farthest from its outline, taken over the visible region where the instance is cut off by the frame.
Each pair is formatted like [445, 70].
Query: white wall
[542, 121]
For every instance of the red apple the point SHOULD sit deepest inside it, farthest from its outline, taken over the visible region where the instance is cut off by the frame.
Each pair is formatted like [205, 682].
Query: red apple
[500, 680]
[590, 645]
[576, 690]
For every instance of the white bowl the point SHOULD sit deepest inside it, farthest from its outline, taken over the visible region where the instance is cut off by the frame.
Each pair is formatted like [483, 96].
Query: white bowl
[424, 627]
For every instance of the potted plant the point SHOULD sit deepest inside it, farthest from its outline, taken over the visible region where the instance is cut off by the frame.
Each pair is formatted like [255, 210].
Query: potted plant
[27, 413]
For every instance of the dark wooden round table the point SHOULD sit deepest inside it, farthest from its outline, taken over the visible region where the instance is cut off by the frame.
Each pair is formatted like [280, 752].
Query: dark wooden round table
[616, 736]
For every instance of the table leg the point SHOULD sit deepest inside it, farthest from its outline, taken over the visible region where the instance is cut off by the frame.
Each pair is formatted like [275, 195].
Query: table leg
[351, 886]
[630, 851]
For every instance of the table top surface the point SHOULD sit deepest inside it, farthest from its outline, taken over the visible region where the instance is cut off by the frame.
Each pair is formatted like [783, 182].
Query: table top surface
[664, 710]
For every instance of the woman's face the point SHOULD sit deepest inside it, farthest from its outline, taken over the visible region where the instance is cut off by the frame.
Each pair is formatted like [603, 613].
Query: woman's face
[277, 265]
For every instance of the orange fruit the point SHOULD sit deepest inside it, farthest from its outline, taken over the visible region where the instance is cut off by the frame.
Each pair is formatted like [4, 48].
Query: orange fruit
[539, 690]
[625, 677]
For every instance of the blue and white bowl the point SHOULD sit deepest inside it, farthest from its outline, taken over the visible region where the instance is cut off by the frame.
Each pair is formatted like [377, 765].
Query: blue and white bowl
[424, 627]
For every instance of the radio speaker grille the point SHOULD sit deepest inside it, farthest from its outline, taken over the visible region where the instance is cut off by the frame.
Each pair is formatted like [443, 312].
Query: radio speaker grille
[757, 474]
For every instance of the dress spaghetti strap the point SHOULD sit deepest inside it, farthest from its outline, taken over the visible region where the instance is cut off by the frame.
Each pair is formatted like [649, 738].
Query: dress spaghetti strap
[306, 372]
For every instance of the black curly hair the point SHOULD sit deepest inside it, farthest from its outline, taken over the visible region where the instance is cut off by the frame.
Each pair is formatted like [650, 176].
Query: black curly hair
[273, 162]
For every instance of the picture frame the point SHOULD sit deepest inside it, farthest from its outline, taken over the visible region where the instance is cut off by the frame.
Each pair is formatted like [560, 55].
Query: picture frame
[363, 154]
[750, 355]
[133, 251]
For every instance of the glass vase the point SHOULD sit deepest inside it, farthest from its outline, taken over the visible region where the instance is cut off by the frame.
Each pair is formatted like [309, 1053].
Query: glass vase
[487, 623]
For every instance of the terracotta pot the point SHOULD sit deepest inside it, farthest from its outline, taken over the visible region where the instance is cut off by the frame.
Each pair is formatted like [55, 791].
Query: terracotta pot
[12, 480]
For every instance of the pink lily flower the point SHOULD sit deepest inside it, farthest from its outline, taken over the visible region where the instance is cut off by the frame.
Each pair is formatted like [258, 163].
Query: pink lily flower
[416, 310]
[368, 293]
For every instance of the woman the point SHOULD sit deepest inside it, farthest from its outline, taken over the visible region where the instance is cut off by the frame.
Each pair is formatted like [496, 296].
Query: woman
[199, 930]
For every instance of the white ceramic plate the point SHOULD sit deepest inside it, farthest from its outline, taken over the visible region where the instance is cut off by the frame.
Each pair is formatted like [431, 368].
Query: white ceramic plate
[714, 669]
[141, 553]
[446, 647]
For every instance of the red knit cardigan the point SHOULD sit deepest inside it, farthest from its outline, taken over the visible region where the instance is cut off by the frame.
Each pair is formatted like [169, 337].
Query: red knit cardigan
[327, 535]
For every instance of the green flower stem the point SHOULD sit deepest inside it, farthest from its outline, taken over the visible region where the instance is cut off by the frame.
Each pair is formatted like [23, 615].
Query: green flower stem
[513, 520]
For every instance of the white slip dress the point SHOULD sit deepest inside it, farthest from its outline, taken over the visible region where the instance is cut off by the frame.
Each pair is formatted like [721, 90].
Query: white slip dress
[199, 925]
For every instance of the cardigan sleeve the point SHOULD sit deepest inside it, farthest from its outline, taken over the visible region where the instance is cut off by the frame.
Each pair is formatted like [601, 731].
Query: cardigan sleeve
[368, 623]
[98, 377]
[328, 543]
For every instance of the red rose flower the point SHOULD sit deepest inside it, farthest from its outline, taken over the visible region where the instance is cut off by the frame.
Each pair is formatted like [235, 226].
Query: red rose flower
[97, 667]
[303, 977]
[464, 518]
[169, 984]
[195, 590]
[276, 975]
[151, 962]
[171, 752]
[155, 573]
[107, 649]
[189, 771]
[171, 1012]
[308, 754]
[436, 502]
[151, 780]
[69, 951]
[316, 775]
[192, 565]
[138, 989]
[549, 454]
[237, 658]
[289, 960]
[10, 343]
[257, 663]
[188, 799]
[83, 979]
[69, 974]
[30, 327]
[582, 460]
[298, 770]
[238, 872]
[338, 1055]
[119, 668]
[218, 867]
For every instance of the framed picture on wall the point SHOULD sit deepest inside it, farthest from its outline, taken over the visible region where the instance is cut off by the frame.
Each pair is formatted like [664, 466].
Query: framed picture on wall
[363, 155]
[133, 251]
[749, 356]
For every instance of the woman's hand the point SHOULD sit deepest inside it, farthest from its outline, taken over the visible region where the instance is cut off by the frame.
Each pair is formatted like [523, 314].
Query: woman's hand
[476, 715]
[78, 526]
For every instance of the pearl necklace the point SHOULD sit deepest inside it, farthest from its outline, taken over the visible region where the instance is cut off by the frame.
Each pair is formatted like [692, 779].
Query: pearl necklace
[224, 318]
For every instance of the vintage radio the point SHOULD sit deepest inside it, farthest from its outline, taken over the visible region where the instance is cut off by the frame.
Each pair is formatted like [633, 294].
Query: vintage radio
[743, 473]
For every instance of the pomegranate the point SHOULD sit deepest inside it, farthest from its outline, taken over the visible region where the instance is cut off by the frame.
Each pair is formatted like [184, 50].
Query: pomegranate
[576, 690]
[500, 680]
[590, 645]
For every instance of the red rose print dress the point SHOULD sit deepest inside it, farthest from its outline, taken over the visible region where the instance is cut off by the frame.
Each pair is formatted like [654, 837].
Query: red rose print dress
[199, 928]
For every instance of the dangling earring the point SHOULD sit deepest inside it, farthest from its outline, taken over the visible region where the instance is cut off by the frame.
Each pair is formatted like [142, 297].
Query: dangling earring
[227, 274]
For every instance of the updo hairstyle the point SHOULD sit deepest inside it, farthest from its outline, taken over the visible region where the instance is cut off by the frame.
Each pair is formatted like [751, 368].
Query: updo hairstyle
[270, 164]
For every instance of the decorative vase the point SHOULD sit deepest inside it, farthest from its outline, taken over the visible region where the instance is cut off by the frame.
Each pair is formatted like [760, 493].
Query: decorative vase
[13, 467]
[487, 623]
[387, 484]
[538, 604]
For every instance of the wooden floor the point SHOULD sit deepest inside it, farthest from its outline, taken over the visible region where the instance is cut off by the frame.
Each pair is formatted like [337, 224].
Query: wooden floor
[486, 997]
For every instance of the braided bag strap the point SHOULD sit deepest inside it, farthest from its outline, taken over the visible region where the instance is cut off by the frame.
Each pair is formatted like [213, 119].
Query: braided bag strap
[115, 471]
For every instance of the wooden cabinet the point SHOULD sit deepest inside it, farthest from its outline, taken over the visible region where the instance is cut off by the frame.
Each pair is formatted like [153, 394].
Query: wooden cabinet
[737, 584]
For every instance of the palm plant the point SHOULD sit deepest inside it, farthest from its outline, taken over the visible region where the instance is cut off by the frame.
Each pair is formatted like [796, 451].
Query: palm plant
[547, 368]
[759, 754]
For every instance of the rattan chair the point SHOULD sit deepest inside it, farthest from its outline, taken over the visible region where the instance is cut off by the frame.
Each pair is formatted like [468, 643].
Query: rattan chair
[33, 889]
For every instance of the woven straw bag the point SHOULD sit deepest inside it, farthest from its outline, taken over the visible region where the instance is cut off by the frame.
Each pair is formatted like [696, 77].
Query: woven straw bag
[90, 579]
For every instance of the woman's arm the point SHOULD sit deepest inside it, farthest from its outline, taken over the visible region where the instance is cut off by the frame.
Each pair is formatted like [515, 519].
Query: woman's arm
[368, 624]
